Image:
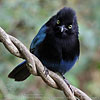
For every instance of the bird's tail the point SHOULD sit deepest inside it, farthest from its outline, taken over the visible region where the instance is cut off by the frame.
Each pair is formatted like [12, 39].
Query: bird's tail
[20, 72]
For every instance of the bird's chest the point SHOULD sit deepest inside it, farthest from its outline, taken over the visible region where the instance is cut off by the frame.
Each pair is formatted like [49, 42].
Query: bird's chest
[56, 56]
[56, 50]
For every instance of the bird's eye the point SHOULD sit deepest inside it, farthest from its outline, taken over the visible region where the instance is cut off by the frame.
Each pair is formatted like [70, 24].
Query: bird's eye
[70, 26]
[58, 21]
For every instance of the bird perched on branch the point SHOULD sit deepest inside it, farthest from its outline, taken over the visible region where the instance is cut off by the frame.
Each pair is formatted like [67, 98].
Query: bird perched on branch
[56, 45]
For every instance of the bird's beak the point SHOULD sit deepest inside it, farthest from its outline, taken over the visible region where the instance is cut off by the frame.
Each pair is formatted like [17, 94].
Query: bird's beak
[63, 28]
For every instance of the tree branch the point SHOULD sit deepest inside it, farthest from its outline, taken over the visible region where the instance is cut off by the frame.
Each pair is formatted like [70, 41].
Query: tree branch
[36, 68]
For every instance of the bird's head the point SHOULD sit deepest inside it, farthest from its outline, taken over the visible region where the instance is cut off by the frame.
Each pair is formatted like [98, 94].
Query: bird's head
[64, 23]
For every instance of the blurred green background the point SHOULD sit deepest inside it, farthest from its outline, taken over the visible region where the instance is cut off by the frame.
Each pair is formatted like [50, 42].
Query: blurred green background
[23, 19]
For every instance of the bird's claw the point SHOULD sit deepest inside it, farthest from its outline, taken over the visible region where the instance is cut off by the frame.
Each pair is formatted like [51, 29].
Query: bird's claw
[46, 71]
[67, 82]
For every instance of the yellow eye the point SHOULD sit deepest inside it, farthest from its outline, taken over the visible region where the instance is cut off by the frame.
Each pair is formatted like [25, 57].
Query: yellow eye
[70, 26]
[58, 21]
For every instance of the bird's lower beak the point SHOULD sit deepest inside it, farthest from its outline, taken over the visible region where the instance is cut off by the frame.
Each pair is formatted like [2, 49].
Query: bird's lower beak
[63, 28]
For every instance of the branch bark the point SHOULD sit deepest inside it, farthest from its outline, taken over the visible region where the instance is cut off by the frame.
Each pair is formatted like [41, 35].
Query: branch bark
[36, 68]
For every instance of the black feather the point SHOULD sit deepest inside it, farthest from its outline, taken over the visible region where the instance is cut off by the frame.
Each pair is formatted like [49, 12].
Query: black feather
[20, 72]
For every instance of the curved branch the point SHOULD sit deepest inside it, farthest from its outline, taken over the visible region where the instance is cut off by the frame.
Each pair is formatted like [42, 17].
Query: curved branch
[36, 68]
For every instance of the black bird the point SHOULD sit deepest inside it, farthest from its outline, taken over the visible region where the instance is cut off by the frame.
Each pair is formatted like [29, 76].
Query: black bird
[56, 45]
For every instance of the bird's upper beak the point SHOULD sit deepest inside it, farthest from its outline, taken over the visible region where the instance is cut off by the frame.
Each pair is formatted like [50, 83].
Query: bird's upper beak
[63, 28]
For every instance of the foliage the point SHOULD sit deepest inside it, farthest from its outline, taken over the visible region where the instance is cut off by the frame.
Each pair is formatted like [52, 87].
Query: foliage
[23, 19]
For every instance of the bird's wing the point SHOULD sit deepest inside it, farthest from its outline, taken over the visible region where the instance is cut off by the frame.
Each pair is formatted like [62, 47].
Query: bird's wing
[38, 38]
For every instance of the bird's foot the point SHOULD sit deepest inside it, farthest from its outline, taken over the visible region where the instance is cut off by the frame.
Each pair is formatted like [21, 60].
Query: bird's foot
[46, 71]
[67, 82]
